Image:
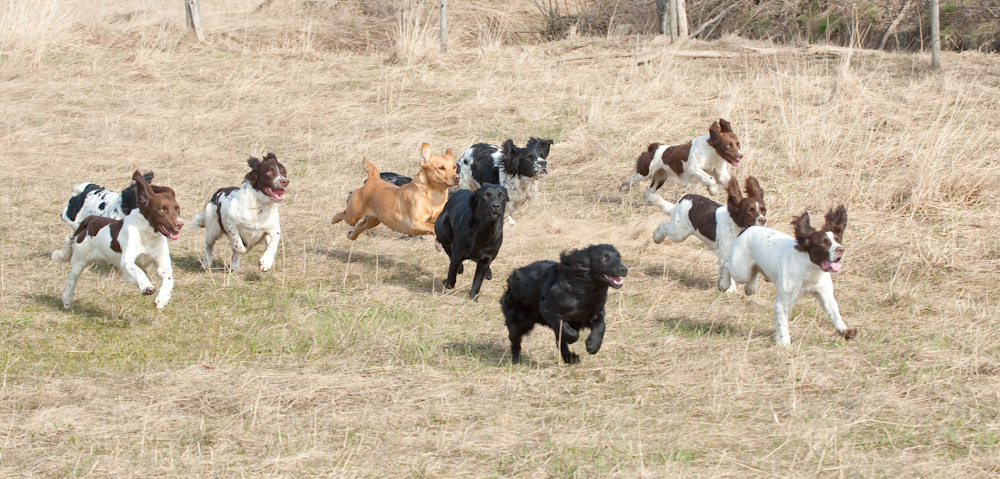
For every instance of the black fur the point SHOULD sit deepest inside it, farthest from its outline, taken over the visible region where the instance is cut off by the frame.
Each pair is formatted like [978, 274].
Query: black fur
[566, 296]
[395, 178]
[529, 161]
[471, 227]
[128, 194]
[76, 202]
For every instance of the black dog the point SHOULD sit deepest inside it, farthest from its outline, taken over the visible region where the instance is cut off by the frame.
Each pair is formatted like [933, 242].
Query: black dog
[395, 178]
[471, 227]
[565, 296]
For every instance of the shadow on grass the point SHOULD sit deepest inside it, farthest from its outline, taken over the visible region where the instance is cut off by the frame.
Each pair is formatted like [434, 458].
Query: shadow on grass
[409, 275]
[683, 277]
[697, 327]
[490, 353]
[96, 316]
[191, 264]
[249, 270]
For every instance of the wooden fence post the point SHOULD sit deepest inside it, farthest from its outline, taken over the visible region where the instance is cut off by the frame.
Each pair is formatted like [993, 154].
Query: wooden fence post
[444, 26]
[935, 34]
[682, 20]
[193, 18]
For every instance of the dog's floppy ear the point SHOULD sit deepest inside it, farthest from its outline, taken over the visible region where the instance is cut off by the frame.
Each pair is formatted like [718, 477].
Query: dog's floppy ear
[507, 160]
[448, 152]
[142, 190]
[753, 188]
[734, 197]
[724, 125]
[508, 147]
[254, 166]
[271, 157]
[473, 201]
[576, 260]
[836, 222]
[802, 230]
[425, 154]
[714, 133]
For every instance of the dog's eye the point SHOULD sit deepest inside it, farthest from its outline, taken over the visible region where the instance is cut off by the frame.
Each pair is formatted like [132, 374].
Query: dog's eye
[605, 259]
[440, 167]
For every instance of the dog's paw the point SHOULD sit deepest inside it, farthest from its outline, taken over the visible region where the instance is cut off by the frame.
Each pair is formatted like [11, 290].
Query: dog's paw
[489, 274]
[447, 284]
[160, 303]
[148, 290]
[572, 358]
[593, 347]
[849, 334]
[461, 268]
[659, 235]
[239, 247]
[265, 266]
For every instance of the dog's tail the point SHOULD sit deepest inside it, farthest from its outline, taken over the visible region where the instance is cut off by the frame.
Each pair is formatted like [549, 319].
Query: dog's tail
[370, 169]
[199, 220]
[63, 255]
[129, 201]
[658, 200]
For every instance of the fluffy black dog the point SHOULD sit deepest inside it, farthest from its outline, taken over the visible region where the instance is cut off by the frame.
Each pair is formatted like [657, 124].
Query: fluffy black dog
[565, 296]
[471, 227]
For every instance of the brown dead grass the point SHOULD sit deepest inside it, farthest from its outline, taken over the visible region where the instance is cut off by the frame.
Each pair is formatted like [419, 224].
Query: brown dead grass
[348, 359]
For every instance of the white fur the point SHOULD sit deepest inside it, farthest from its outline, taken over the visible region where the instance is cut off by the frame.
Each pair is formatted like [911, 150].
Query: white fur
[141, 247]
[764, 250]
[704, 166]
[519, 189]
[680, 227]
[112, 205]
[250, 217]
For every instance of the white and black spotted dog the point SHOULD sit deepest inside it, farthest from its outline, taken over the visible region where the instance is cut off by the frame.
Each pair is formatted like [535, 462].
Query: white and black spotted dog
[516, 169]
[90, 199]
[247, 215]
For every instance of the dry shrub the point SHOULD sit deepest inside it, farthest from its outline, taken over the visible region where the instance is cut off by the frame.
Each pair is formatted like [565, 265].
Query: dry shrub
[412, 37]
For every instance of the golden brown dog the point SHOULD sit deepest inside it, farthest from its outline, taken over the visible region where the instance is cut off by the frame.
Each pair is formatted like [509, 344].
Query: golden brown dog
[409, 209]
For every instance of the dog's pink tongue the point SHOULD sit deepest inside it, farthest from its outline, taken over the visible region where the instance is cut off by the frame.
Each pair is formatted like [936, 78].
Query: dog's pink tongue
[615, 279]
[834, 267]
[173, 234]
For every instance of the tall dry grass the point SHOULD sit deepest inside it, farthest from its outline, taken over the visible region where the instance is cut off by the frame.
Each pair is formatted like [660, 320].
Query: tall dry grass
[32, 26]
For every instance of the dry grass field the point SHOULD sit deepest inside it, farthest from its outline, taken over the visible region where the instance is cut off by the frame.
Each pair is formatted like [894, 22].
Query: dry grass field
[348, 359]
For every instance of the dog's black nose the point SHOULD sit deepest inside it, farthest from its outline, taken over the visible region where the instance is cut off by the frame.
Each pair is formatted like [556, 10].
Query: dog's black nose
[623, 271]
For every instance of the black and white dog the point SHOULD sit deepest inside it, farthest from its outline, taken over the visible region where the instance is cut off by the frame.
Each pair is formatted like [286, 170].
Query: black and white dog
[516, 169]
[247, 215]
[90, 199]
[471, 227]
[566, 297]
